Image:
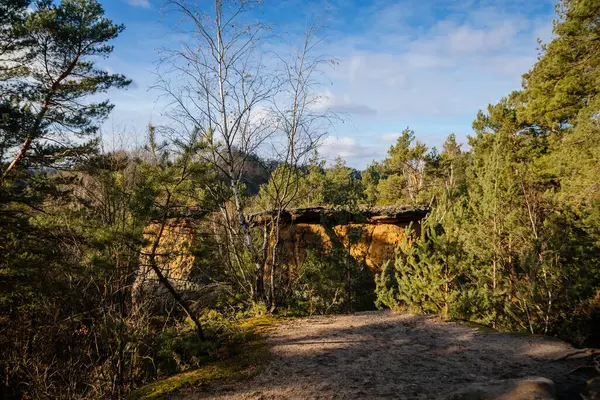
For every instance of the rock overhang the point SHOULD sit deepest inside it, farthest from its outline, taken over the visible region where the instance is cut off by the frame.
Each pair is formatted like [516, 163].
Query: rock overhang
[393, 214]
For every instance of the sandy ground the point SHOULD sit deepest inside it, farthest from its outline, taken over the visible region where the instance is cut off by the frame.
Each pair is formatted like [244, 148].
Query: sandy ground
[384, 355]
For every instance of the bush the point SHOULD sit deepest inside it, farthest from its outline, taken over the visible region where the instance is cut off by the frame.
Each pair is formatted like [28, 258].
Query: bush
[424, 276]
[331, 282]
[582, 326]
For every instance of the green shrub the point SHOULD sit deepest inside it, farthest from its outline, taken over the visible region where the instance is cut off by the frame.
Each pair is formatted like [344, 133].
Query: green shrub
[425, 275]
[331, 282]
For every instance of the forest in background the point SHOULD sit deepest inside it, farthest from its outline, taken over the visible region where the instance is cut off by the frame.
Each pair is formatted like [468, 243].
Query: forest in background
[512, 240]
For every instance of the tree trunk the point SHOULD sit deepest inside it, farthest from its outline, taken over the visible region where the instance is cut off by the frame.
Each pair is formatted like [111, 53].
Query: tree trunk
[259, 288]
[165, 282]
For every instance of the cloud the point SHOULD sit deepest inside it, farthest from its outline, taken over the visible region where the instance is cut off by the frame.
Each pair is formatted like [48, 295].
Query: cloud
[543, 31]
[352, 108]
[351, 149]
[343, 146]
[139, 3]
[390, 137]
[466, 39]
[431, 70]
[343, 105]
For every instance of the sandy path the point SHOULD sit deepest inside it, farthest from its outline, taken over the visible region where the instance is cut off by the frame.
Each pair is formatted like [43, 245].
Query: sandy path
[383, 355]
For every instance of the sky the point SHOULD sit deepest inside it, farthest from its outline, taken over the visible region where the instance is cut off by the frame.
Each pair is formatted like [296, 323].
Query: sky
[425, 64]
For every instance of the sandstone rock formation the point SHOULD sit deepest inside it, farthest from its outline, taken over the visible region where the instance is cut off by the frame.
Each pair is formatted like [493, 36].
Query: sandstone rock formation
[173, 256]
[371, 234]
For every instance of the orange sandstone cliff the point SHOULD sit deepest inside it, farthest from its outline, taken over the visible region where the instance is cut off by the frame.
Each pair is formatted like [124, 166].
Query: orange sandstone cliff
[371, 234]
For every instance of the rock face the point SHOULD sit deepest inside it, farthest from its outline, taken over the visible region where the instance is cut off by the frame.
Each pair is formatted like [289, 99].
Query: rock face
[374, 243]
[371, 234]
[172, 256]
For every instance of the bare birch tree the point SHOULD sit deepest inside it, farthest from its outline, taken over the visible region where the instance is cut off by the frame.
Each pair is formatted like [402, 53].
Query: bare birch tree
[217, 82]
[302, 125]
[227, 81]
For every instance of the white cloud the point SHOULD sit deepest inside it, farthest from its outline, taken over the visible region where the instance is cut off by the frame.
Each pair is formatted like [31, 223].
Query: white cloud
[344, 105]
[390, 136]
[438, 73]
[139, 3]
[466, 39]
[343, 146]
[543, 31]
[424, 60]
[354, 151]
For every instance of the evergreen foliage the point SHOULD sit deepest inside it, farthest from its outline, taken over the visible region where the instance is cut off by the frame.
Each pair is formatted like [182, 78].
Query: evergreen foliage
[49, 77]
[427, 274]
[342, 188]
[331, 281]
[519, 210]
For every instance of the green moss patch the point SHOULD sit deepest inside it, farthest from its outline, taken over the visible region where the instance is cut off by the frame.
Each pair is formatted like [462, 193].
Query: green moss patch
[248, 360]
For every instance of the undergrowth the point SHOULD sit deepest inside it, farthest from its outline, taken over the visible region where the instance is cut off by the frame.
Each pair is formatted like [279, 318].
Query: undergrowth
[242, 354]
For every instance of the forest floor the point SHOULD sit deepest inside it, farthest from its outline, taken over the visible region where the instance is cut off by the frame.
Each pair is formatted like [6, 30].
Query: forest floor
[378, 355]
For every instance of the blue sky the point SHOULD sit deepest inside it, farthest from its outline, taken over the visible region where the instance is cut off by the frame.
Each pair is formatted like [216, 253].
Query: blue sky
[428, 64]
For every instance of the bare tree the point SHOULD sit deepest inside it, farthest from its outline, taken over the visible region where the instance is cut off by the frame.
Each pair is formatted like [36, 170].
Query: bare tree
[218, 83]
[303, 125]
[228, 81]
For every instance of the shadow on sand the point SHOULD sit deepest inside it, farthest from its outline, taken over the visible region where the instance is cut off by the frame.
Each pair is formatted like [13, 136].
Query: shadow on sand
[379, 355]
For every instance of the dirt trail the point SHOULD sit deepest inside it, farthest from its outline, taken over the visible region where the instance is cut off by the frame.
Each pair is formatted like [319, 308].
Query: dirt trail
[384, 355]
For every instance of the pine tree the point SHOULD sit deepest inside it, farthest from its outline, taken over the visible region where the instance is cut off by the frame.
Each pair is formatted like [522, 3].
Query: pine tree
[565, 80]
[453, 164]
[404, 179]
[50, 79]
[370, 179]
[312, 183]
[342, 188]
[426, 273]
[392, 190]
